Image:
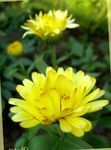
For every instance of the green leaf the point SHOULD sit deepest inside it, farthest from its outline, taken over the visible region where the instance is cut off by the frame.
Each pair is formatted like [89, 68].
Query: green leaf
[71, 142]
[21, 142]
[89, 52]
[42, 142]
[76, 47]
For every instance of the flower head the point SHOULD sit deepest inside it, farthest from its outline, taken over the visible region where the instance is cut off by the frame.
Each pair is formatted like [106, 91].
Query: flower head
[61, 96]
[49, 24]
[15, 48]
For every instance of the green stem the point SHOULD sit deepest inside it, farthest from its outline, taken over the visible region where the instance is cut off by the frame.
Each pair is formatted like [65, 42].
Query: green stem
[53, 57]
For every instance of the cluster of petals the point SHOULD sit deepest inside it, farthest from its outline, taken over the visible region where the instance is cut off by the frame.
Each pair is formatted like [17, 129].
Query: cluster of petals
[49, 24]
[15, 48]
[58, 96]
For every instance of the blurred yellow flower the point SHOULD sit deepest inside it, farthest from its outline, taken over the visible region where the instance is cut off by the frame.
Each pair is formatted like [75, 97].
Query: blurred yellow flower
[49, 24]
[61, 96]
[15, 48]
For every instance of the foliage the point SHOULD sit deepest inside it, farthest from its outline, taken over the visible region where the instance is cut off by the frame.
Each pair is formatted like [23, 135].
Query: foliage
[50, 138]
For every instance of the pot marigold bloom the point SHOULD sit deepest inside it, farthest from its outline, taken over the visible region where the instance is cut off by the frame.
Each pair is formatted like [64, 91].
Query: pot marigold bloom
[61, 96]
[15, 48]
[49, 24]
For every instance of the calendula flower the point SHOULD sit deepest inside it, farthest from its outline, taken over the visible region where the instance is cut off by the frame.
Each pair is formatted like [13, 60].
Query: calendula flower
[49, 24]
[61, 96]
[15, 48]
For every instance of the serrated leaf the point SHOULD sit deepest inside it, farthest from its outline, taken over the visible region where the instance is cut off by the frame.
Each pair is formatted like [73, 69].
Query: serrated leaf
[76, 47]
[89, 52]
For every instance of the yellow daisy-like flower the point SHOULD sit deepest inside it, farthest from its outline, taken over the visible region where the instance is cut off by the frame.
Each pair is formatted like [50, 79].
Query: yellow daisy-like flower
[61, 96]
[49, 24]
[15, 48]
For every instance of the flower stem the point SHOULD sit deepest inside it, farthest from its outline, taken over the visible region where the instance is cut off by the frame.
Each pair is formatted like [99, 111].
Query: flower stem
[53, 57]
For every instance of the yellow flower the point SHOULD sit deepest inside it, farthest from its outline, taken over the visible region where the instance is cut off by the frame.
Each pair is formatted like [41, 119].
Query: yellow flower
[49, 24]
[15, 48]
[61, 96]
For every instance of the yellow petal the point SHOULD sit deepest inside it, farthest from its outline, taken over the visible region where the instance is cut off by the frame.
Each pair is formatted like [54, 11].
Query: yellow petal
[16, 109]
[38, 79]
[46, 102]
[88, 126]
[49, 69]
[55, 101]
[21, 117]
[77, 132]
[63, 86]
[78, 77]
[81, 111]
[60, 71]
[26, 106]
[27, 83]
[79, 122]
[97, 105]
[13, 101]
[29, 96]
[64, 125]
[77, 96]
[94, 95]
[22, 91]
[69, 73]
[51, 76]
[66, 103]
[88, 83]
[29, 123]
